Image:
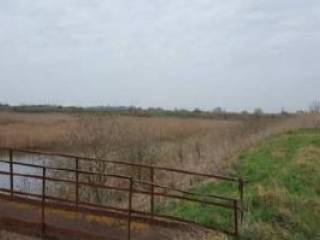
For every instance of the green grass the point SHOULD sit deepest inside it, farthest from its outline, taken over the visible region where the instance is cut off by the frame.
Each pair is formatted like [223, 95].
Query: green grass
[283, 196]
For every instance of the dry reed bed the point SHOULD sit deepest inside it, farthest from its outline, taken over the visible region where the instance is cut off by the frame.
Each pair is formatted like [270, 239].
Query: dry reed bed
[56, 131]
[193, 144]
[30, 131]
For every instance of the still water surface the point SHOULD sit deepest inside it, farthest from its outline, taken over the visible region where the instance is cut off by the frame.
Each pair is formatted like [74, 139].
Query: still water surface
[25, 184]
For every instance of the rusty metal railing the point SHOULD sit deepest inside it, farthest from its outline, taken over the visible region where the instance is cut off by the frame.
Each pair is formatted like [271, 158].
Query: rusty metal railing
[233, 204]
[152, 169]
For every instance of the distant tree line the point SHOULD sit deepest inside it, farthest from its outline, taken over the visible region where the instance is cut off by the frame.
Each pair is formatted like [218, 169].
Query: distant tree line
[216, 113]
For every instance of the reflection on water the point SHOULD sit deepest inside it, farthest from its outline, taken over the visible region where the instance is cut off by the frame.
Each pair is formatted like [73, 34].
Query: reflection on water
[89, 191]
[27, 184]
[62, 190]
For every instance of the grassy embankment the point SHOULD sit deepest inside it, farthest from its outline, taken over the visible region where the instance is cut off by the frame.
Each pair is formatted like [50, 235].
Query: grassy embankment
[283, 196]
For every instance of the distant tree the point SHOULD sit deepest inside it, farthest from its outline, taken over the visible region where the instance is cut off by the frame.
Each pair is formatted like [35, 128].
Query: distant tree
[196, 110]
[218, 110]
[244, 112]
[4, 104]
[315, 106]
[300, 112]
[258, 112]
[284, 112]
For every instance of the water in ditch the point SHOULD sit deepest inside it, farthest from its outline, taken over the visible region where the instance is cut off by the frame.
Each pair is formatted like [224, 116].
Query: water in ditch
[28, 184]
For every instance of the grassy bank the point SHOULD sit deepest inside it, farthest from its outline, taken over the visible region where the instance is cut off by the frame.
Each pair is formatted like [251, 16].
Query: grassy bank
[283, 196]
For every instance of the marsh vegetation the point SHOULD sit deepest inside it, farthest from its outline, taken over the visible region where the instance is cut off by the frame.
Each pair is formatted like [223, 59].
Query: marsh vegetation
[208, 145]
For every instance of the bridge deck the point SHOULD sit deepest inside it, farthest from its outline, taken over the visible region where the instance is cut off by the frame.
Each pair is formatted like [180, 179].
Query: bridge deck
[24, 217]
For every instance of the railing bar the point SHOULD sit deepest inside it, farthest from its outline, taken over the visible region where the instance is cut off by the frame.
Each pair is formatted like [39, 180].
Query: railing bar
[77, 182]
[130, 207]
[142, 182]
[194, 200]
[181, 198]
[61, 200]
[135, 191]
[4, 173]
[235, 209]
[11, 171]
[184, 192]
[197, 174]
[152, 190]
[65, 181]
[20, 193]
[38, 177]
[103, 186]
[80, 158]
[129, 164]
[103, 175]
[37, 195]
[65, 169]
[241, 183]
[103, 206]
[43, 202]
[22, 164]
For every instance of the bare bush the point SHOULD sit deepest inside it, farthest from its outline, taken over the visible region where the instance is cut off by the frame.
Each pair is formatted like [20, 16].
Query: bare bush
[315, 106]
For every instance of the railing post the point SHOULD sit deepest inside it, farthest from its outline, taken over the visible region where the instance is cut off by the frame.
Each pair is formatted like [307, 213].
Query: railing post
[130, 207]
[43, 202]
[241, 198]
[11, 172]
[235, 210]
[77, 183]
[152, 191]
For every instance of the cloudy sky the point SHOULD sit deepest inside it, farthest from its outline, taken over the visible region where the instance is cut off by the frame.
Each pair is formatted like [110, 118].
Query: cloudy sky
[237, 54]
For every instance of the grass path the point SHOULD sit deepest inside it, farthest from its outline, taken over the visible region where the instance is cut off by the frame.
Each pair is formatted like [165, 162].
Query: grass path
[283, 196]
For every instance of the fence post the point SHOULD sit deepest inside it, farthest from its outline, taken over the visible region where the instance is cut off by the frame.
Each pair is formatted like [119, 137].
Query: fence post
[241, 198]
[152, 190]
[11, 172]
[130, 207]
[77, 183]
[235, 209]
[43, 220]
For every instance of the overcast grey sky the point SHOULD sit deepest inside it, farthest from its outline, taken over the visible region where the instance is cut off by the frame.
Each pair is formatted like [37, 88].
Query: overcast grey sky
[237, 54]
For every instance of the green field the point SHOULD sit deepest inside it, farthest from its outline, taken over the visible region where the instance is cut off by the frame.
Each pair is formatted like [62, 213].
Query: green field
[283, 194]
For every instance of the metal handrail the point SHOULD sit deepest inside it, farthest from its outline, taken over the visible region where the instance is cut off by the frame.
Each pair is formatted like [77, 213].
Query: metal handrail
[146, 166]
[231, 202]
